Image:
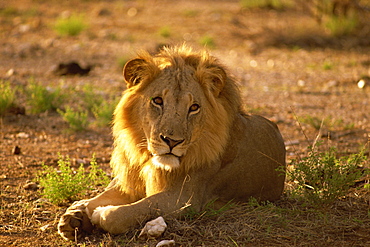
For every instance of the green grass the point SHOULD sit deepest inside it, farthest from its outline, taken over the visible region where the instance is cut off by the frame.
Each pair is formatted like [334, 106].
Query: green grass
[327, 122]
[67, 184]
[71, 26]
[190, 13]
[342, 25]
[9, 11]
[7, 96]
[77, 119]
[90, 98]
[322, 177]
[41, 99]
[327, 65]
[250, 4]
[165, 32]
[207, 41]
[103, 113]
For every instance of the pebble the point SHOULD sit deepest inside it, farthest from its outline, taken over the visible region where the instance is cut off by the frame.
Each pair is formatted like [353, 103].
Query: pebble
[166, 243]
[45, 227]
[16, 150]
[154, 228]
[361, 84]
[31, 186]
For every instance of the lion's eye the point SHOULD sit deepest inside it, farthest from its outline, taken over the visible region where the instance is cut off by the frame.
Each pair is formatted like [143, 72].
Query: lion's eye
[157, 101]
[194, 107]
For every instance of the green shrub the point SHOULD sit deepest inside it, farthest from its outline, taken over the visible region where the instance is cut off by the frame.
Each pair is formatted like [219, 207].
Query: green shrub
[77, 120]
[71, 26]
[90, 98]
[165, 32]
[41, 99]
[321, 177]
[6, 97]
[67, 184]
[207, 41]
[341, 25]
[248, 4]
[104, 112]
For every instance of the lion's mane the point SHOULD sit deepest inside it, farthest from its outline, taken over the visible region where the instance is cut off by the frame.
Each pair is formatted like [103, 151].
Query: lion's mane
[131, 159]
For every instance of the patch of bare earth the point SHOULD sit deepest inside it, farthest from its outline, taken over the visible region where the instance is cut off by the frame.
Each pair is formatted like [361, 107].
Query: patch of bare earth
[289, 68]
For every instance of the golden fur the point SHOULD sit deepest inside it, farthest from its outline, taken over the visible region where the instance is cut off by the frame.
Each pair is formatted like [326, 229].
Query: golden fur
[210, 145]
[181, 139]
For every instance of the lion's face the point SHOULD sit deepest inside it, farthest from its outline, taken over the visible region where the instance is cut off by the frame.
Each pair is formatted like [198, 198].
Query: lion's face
[172, 115]
[176, 110]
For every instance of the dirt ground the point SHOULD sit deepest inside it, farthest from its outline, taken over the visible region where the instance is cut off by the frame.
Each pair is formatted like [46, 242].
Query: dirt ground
[290, 69]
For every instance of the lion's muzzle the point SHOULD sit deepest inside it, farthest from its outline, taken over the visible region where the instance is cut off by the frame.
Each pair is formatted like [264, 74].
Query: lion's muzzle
[171, 143]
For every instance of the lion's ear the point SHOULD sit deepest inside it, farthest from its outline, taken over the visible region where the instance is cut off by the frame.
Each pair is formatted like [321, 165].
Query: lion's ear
[217, 78]
[132, 71]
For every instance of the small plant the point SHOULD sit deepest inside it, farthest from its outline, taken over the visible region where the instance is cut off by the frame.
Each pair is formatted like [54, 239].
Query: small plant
[190, 13]
[103, 113]
[321, 177]
[9, 11]
[77, 120]
[41, 99]
[341, 25]
[207, 41]
[67, 184]
[165, 32]
[90, 98]
[327, 65]
[71, 26]
[6, 97]
[328, 122]
[273, 4]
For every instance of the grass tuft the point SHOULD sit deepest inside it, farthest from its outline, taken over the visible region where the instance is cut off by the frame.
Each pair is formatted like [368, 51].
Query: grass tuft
[71, 26]
[41, 99]
[67, 184]
[6, 97]
[103, 113]
[321, 177]
[207, 41]
[270, 4]
[165, 32]
[341, 25]
[77, 120]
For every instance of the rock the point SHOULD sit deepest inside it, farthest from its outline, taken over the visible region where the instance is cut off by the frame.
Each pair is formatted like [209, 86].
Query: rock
[45, 227]
[16, 150]
[166, 243]
[154, 228]
[10, 73]
[71, 68]
[301, 83]
[23, 135]
[361, 84]
[31, 186]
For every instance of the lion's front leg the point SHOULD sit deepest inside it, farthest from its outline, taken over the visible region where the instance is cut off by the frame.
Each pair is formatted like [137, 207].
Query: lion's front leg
[119, 219]
[77, 219]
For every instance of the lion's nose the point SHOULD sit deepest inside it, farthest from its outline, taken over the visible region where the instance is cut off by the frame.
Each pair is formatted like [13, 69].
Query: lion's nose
[170, 142]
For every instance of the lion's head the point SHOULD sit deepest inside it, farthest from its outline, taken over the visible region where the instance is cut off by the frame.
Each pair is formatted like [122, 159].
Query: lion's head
[176, 110]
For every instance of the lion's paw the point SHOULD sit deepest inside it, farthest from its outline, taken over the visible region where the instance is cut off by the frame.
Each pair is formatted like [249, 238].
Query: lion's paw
[75, 221]
[99, 215]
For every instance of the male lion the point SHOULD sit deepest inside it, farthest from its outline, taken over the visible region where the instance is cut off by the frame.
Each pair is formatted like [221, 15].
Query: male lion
[181, 140]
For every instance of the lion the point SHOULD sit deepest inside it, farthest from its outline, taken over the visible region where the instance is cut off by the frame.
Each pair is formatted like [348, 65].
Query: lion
[181, 140]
